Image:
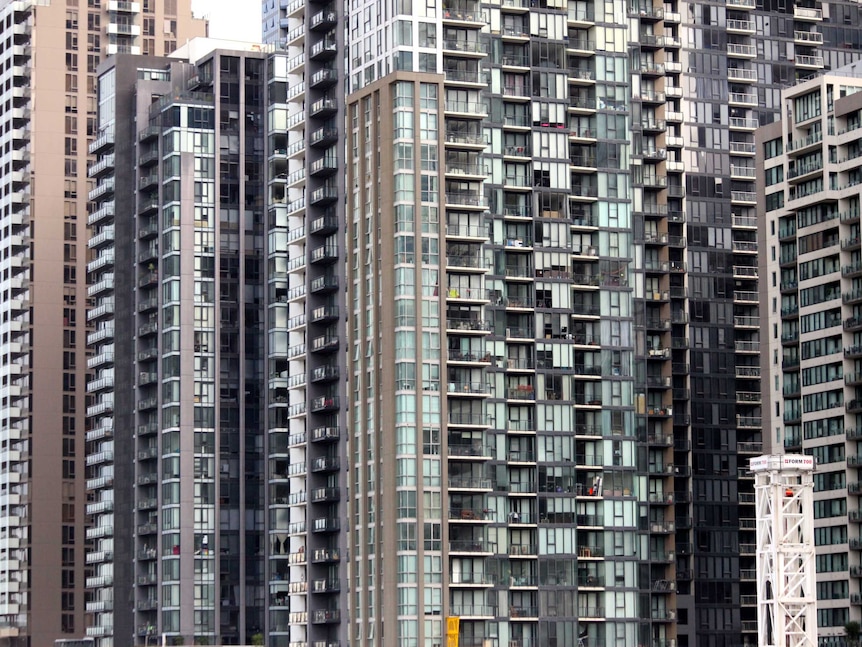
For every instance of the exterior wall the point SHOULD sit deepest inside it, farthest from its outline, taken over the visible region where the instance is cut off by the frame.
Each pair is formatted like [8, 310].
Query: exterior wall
[53, 92]
[736, 59]
[194, 393]
[642, 224]
[114, 494]
[306, 336]
[489, 398]
[808, 173]
[662, 102]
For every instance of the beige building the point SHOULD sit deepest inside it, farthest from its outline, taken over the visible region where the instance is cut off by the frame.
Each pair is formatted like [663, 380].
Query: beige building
[50, 54]
[809, 172]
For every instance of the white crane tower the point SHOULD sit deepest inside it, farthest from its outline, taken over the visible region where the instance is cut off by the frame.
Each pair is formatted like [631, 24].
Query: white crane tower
[786, 594]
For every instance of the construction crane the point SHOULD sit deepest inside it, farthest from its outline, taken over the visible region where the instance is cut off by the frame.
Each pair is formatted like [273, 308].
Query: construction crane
[786, 587]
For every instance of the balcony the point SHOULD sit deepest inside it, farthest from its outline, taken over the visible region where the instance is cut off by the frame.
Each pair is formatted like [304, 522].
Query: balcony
[468, 611]
[812, 62]
[806, 13]
[323, 107]
[474, 109]
[468, 325]
[101, 142]
[321, 196]
[466, 199]
[743, 123]
[854, 269]
[662, 527]
[466, 262]
[745, 271]
[469, 389]
[741, 75]
[325, 495]
[650, 181]
[649, 69]
[323, 136]
[753, 447]
[324, 254]
[662, 499]
[325, 403]
[521, 392]
[793, 442]
[325, 616]
[325, 19]
[324, 49]
[741, 51]
[470, 514]
[325, 434]
[653, 125]
[325, 344]
[326, 283]
[742, 99]
[468, 546]
[740, 26]
[739, 172]
[464, 45]
[523, 612]
[469, 483]
[465, 12]
[101, 189]
[463, 76]
[645, 11]
[467, 294]
[808, 38]
[650, 96]
[323, 78]
[476, 171]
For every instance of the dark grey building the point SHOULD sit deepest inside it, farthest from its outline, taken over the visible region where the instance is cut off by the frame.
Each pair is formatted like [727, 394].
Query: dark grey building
[176, 455]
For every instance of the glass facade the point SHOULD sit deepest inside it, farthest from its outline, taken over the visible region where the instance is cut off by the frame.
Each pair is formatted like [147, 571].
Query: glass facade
[468, 310]
[508, 393]
[187, 480]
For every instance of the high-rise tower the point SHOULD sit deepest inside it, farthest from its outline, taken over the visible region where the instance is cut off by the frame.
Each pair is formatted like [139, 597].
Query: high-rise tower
[49, 57]
[180, 296]
[597, 159]
[482, 246]
[809, 174]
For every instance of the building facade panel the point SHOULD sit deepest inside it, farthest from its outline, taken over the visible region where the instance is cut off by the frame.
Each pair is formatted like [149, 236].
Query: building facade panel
[807, 174]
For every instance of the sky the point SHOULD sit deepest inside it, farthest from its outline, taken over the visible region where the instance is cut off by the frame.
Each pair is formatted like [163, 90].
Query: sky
[231, 19]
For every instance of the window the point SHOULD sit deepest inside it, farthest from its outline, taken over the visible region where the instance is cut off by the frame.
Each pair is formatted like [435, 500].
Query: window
[774, 200]
[807, 106]
[433, 536]
[772, 148]
[774, 175]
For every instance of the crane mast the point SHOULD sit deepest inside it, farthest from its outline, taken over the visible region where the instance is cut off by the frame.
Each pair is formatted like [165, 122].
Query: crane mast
[786, 586]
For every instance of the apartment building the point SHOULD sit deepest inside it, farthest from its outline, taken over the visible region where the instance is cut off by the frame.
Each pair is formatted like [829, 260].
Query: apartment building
[180, 507]
[49, 56]
[809, 170]
[537, 402]
[644, 228]
[488, 487]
